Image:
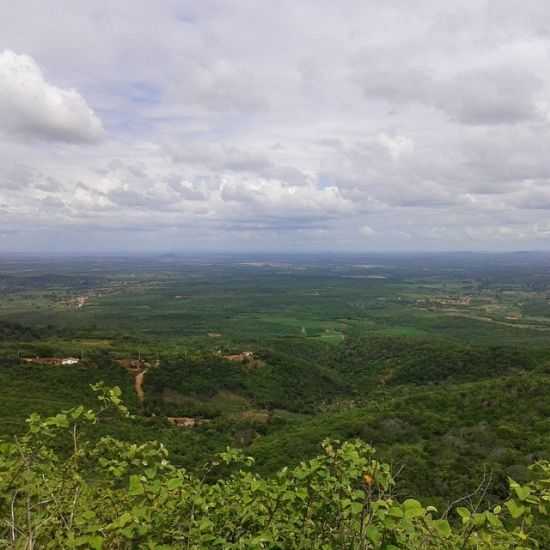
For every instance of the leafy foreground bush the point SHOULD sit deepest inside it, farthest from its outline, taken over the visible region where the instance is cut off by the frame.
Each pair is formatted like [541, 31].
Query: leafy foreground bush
[113, 494]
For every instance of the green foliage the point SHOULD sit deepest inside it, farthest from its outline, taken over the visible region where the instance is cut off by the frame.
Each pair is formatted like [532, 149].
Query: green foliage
[27, 388]
[17, 332]
[278, 382]
[402, 360]
[112, 494]
[447, 391]
[443, 437]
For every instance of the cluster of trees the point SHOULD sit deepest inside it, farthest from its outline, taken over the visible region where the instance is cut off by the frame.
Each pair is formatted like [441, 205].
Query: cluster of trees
[17, 332]
[279, 382]
[301, 377]
[61, 489]
[445, 438]
[402, 360]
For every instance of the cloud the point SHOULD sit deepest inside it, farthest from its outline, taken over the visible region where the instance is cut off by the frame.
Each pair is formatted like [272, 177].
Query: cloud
[229, 158]
[489, 95]
[427, 123]
[396, 145]
[480, 95]
[367, 231]
[31, 107]
[186, 189]
[267, 199]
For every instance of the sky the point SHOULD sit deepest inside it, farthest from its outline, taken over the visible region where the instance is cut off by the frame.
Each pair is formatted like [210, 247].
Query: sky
[253, 125]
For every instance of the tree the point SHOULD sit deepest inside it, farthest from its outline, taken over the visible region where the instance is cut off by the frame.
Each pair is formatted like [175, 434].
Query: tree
[61, 489]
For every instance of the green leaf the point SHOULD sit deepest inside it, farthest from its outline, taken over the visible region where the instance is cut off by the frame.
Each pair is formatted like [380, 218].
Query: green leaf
[493, 520]
[412, 504]
[122, 521]
[174, 483]
[479, 519]
[464, 513]
[91, 541]
[59, 420]
[76, 413]
[356, 507]
[373, 534]
[395, 512]
[516, 510]
[136, 487]
[442, 527]
[522, 492]
[412, 508]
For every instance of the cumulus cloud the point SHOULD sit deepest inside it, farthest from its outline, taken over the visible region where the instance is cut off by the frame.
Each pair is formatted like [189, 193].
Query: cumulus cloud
[31, 107]
[374, 125]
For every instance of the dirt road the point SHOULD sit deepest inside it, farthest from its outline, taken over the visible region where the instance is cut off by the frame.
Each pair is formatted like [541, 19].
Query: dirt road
[138, 385]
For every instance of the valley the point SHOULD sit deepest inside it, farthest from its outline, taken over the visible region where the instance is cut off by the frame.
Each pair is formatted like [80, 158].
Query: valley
[440, 361]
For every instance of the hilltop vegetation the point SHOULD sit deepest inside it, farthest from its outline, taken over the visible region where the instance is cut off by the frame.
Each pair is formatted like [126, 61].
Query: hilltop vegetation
[110, 494]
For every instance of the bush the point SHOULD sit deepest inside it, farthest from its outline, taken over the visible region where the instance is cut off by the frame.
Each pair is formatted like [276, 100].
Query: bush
[112, 494]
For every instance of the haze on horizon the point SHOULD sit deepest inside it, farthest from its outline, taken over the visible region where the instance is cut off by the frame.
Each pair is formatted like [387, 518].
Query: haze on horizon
[270, 126]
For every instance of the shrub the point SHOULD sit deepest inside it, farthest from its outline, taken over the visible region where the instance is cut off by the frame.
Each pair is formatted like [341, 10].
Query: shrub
[113, 494]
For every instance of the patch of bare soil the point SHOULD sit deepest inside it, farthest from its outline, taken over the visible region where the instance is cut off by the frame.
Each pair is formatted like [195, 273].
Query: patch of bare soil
[52, 360]
[186, 421]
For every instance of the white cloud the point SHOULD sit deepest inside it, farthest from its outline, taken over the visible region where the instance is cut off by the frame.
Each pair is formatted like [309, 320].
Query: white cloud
[367, 231]
[31, 107]
[427, 122]
[396, 145]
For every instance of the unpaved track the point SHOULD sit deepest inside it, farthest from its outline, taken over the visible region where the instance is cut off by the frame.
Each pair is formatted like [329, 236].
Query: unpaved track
[138, 385]
[502, 323]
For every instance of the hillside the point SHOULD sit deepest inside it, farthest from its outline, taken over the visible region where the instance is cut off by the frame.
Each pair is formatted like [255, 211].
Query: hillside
[421, 364]
[104, 493]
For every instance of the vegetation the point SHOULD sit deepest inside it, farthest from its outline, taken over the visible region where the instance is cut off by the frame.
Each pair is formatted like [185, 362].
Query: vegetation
[440, 362]
[111, 494]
